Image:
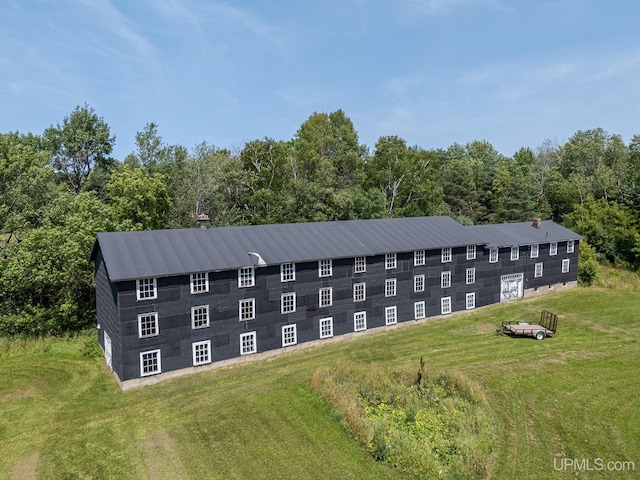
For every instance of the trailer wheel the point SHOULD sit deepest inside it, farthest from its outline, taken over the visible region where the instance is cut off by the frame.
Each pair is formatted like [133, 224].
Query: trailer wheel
[540, 335]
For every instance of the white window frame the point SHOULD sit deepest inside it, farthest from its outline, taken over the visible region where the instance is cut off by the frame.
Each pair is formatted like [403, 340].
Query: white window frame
[445, 279]
[326, 327]
[287, 272]
[535, 250]
[289, 335]
[539, 269]
[471, 252]
[419, 258]
[248, 343]
[288, 302]
[251, 315]
[571, 245]
[199, 317]
[246, 277]
[445, 305]
[158, 360]
[470, 276]
[155, 328]
[322, 298]
[445, 255]
[325, 268]
[359, 292]
[515, 253]
[391, 315]
[419, 310]
[418, 283]
[144, 291]
[360, 265]
[201, 356]
[390, 287]
[390, 261]
[553, 248]
[493, 255]
[565, 265]
[470, 301]
[199, 282]
[359, 321]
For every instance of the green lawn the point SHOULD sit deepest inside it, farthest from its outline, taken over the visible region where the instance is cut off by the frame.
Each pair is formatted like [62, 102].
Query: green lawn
[573, 396]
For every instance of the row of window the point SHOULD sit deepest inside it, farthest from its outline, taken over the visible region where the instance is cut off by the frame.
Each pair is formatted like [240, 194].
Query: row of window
[147, 323]
[150, 361]
[146, 288]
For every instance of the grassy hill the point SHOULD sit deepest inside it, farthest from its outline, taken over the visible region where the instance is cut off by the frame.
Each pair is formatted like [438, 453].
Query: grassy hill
[573, 396]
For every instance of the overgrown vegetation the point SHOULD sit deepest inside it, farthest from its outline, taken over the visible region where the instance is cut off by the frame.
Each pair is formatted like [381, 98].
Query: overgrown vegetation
[59, 188]
[432, 426]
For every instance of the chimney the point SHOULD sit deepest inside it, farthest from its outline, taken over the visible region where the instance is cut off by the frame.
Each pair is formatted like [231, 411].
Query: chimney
[202, 220]
[537, 222]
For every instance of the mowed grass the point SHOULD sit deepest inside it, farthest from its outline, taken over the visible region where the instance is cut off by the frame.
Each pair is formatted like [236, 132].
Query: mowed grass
[573, 396]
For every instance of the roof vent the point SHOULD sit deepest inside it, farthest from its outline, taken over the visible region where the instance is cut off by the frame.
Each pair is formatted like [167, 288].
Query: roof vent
[537, 222]
[202, 220]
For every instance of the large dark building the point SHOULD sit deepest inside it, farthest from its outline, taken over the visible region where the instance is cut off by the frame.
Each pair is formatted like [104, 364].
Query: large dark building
[171, 302]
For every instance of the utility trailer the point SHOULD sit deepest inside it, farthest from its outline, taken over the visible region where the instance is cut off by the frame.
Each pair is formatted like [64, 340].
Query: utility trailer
[547, 326]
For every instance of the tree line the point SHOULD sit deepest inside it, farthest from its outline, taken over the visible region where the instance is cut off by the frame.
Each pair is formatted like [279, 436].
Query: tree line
[59, 188]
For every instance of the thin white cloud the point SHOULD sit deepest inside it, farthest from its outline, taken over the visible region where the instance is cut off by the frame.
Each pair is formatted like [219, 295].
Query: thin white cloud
[444, 7]
[109, 18]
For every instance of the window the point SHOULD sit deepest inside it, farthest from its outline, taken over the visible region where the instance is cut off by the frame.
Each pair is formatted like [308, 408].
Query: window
[287, 272]
[445, 305]
[246, 277]
[359, 292]
[199, 282]
[146, 289]
[390, 287]
[326, 327]
[565, 265]
[391, 315]
[200, 316]
[201, 352]
[288, 302]
[570, 246]
[515, 253]
[471, 301]
[326, 297]
[445, 255]
[445, 279]
[390, 261]
[248, 343]
[150, 363]
[360, 321]
[418, 283]
[471, 276]
[535, 249]
[553, 248]
[289, 335]
[418, 310]
[360, 265]
[538, 272]
[324, 268]
[471, 252]
[148, 325]
[418, 258]
[493, 254]
[247, 309]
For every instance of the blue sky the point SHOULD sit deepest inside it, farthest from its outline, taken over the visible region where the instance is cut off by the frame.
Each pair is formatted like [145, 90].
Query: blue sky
[433, 72]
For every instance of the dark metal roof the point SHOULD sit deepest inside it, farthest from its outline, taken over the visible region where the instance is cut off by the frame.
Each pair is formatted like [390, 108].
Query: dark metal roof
[524, 233]
[162, 253]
